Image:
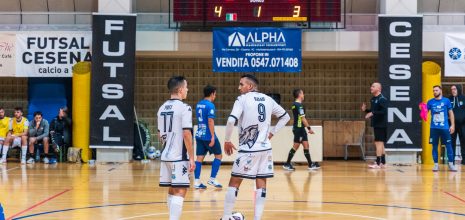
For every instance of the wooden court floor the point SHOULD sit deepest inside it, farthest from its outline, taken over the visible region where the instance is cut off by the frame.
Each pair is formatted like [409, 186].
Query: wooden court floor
[340, 190]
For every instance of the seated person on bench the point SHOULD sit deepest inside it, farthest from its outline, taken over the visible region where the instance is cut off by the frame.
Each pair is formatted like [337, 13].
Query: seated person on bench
[38, 134]
[17, 135]
[60, 129]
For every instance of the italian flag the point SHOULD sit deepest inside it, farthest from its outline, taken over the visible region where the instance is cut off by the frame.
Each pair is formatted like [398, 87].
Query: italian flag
[231, 17]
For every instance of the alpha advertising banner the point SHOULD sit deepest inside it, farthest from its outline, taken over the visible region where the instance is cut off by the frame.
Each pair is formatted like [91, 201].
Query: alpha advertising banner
[112, 83]
[51, 54]
[454, 57]
[7, 55]
[399, 71]
[257, 50]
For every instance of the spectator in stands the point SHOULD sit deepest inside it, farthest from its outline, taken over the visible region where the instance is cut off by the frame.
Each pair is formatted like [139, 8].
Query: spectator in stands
[60, 129]
[17, 135]
[38, 134]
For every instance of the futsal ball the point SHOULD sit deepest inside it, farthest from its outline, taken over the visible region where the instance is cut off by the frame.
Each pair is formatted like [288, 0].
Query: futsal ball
[236, 216]
[151, 152]
[157, 154]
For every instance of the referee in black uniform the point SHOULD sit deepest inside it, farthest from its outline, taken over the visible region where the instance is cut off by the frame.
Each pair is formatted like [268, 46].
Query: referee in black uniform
[378, 115]
[300, 134]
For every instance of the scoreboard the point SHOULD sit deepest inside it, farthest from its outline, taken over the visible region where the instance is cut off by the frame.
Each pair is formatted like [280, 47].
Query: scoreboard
[257, 10]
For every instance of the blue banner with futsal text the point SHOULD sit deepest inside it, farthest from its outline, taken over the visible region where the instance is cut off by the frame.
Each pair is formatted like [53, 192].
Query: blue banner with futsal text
[257, 50]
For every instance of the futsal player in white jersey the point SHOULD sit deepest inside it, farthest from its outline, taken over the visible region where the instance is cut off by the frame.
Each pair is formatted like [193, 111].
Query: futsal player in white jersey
[252, 113]
[175, 133]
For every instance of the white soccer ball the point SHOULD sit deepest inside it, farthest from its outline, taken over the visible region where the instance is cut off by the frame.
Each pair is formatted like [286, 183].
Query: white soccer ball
[157, 154]
[236, 216]
[151, 152]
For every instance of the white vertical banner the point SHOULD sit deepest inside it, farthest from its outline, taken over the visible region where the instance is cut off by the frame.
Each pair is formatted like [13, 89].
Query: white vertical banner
[454, 57]
[7, 55]
[51, 54]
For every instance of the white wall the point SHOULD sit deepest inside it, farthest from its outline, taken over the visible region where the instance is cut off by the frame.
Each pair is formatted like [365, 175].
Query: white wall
[281, 143]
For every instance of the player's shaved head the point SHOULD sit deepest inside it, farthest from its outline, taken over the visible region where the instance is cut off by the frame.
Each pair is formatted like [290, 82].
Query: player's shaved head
[376, 88]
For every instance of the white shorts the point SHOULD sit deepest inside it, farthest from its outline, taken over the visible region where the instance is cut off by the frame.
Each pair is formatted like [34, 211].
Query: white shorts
[252, 165]
[16, 142]
[174, 174]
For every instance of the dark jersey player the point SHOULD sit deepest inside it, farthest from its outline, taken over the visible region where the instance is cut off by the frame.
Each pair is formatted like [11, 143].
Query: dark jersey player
[300, 134]
[378, 115]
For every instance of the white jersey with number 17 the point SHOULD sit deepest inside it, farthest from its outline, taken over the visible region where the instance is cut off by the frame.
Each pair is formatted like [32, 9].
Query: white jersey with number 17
[174, 116]
[253, 112]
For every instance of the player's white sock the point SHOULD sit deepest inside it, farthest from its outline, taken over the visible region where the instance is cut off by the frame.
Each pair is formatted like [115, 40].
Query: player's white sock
[229, 201]
[176, 207]
[5, 152]
[197, 181]
[168, 200]
[212, 179]
[23, 152]
[260, 198]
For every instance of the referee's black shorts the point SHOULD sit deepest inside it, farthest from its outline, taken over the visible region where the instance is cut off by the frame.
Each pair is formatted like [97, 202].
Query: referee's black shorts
[380, 134]
[300, 135]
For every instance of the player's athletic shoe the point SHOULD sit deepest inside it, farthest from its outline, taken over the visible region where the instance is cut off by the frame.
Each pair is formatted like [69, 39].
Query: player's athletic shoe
[436, 168]
[30, 161]
[314, 166]
[215, 183]
[374, 166]
[200, 186]
[2, 161]
[45, 160]
[382, 165]
[288, 166]
[52, 161]
[452, 168]
[23, 161]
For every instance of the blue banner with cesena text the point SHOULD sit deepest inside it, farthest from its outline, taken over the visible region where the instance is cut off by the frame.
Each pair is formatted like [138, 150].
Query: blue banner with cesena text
[257, 50]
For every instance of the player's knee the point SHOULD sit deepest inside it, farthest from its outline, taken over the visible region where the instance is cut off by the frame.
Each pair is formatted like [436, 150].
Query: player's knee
[179, 192]
[219, 156]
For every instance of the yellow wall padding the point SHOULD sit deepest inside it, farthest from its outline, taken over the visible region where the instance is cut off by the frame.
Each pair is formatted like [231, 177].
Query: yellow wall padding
[431, 77]
[81, 108]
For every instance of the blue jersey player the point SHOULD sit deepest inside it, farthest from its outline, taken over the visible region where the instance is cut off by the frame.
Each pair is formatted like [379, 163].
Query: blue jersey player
[206, 138]
[441, 112]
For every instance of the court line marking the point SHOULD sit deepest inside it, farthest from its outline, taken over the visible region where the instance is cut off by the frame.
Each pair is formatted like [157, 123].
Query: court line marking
[14, 168]
[116, 165]
[250, 210]
[38, 204]
[296, 201]
[454, 196]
